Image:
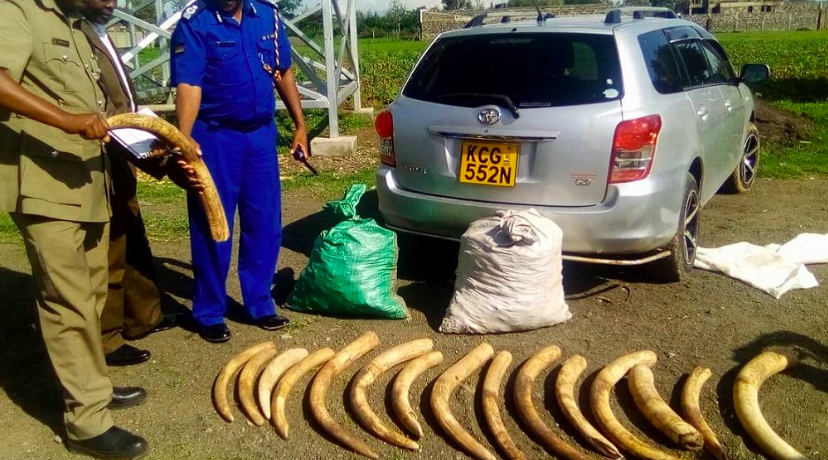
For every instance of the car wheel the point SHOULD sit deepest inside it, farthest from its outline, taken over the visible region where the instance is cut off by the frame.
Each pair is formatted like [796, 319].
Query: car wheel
[743, 177]
[679, 263]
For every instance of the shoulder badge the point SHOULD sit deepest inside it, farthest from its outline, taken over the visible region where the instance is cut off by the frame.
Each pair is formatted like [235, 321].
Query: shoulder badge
[191, 10]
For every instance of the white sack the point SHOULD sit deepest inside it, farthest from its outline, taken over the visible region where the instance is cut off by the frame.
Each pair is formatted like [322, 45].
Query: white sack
[509, 276]
[806, 248]
[761, 267]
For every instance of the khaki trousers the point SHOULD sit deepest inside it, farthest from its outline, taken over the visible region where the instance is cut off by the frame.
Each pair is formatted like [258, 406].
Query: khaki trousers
[69, 265]
[133, 303]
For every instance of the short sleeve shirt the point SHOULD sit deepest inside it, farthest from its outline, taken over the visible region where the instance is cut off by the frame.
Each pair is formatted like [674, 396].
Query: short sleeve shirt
[227, 60]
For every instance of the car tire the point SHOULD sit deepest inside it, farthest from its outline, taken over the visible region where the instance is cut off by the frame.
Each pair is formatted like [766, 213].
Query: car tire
[678, 265]
[744, 176]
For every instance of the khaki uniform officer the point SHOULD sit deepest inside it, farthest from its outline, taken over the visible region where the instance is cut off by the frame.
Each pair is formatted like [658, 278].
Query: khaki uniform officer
[54, 183]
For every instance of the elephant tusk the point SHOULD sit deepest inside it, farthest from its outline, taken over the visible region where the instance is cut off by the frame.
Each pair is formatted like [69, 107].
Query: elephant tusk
[247, 380]
[319, 390]
[658, 412]
[278, 402]
[210, 200]
[226, 374]
[526, 408]
[368, 374]
[690, 395]
[400, 402]
[746, 400]
[565, 391]
[600, 400]
[272, 373]
[440, 396]
[491, 405]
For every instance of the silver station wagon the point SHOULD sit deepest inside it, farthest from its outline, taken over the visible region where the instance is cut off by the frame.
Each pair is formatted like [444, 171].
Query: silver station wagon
[619, 128]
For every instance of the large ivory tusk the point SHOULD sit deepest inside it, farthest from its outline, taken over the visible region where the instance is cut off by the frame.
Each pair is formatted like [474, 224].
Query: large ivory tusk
[164, 130]
[247, 381]
[272, 373]
[368, 374]
[279, 398]
[226, 374]
[746, 400]
[658, 412]
[690, 395]
[441, 395]
[491, 405]
[600, 399]
[400, 402]
[524, 382]
[319, 390]
[565, 391]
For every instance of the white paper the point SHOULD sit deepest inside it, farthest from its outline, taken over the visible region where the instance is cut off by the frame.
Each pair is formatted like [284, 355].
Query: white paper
[136, 141]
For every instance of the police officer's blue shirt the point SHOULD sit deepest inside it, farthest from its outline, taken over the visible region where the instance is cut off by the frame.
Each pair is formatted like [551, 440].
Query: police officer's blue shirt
[225, 57]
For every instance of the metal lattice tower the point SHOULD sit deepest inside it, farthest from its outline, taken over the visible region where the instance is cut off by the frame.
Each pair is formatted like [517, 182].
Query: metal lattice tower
[329, 76]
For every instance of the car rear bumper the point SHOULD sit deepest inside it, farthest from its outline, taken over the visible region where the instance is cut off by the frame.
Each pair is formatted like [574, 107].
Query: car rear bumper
[635, 218]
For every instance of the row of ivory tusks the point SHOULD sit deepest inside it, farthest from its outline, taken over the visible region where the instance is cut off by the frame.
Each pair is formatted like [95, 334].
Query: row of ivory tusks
[267, 377]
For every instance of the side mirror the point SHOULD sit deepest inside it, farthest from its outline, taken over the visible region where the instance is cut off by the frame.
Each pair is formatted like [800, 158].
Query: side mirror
[754, 73]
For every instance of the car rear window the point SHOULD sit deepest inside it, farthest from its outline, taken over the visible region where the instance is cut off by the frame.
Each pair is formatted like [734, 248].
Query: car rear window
[531, 69]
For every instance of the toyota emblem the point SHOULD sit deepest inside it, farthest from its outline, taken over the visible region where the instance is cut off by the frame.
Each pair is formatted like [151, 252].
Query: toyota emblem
[489, 116]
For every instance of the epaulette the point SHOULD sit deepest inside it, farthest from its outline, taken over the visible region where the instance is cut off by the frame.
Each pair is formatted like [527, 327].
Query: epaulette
[192, 10]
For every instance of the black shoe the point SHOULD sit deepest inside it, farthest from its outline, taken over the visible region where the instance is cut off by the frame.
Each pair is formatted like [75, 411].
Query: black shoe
[127, 355]
[272, 322]
[123, 397]
[168, 322]
[113, 443]
[216, 333]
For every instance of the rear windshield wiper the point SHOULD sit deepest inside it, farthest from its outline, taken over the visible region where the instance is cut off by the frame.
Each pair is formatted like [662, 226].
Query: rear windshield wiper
[485, 96]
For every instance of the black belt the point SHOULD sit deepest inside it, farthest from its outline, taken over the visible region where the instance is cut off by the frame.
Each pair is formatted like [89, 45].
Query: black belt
[235, 126]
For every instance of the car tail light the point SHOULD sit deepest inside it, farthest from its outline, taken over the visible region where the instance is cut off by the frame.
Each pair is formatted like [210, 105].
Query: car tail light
[633, 149]
[385, 129]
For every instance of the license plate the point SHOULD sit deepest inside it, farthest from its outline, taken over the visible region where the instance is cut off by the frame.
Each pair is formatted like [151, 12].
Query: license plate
[488, 163]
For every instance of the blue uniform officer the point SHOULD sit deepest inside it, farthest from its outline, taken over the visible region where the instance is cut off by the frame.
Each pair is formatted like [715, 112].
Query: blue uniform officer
[227, 56]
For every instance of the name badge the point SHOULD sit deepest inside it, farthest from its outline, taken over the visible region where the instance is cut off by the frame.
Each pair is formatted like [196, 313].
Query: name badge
[225, 44]
[60, 42]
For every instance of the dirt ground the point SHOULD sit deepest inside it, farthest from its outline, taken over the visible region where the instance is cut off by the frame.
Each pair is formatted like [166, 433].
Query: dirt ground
[709, 320]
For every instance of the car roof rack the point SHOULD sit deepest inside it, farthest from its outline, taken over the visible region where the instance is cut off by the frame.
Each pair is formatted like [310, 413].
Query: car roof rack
[614, 15]
[505, 17]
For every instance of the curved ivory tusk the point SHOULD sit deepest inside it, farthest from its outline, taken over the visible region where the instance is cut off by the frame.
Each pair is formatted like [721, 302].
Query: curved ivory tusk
[524, 382]
[210, 200]
[441, 395]
[658, 412]
[690, 395]
[226, 374]
[565, 391]
[278, 402]
[400, 402]
[746, 400]
[368, 374]
[600, 399]
[491, 405]
[247, 380]
[319, 390]
[272, 373]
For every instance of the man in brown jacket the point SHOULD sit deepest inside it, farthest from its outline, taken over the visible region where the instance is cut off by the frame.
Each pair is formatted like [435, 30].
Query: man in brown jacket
[54, 183]
[133, 302]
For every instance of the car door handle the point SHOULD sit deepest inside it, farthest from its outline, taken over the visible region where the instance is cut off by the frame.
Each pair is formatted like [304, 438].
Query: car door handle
[702, 112]
[728, 106]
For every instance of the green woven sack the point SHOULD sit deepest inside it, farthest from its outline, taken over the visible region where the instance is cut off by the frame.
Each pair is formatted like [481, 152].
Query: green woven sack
[352, 268]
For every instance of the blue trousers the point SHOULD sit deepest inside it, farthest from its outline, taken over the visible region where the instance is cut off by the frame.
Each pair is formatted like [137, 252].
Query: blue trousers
[245, 170]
